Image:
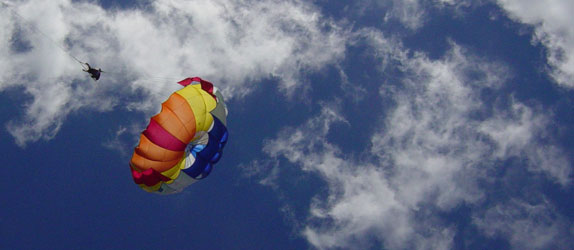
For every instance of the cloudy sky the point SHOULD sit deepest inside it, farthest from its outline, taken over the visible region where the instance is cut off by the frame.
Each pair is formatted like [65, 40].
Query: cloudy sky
[371, 124]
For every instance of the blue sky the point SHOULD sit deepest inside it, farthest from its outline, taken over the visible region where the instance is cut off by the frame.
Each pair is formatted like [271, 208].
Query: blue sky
[444, 124]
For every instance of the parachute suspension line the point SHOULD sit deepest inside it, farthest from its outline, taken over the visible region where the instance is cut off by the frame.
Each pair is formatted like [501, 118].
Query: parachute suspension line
[148, 77]
[31, 26]
[161, 77]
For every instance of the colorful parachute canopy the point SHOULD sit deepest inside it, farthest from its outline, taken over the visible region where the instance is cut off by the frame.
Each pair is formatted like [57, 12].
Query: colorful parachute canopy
[183, 142]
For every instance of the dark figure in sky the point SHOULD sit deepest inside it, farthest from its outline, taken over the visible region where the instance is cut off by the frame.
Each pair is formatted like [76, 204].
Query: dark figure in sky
[94, 73]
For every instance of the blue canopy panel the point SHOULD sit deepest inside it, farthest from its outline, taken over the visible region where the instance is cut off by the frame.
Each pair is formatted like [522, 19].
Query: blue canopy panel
[209, 154]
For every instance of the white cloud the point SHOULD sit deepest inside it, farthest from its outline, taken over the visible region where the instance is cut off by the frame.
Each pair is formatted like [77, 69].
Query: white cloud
[527, 226]
[552, 20]
[351, 185]
[408, 12]
[144, 51]
[518, 139]
[267, 171]
[361, 202]
[122, 140]
[41, 113]
[433, 152]
[411, 13]
[430, 138]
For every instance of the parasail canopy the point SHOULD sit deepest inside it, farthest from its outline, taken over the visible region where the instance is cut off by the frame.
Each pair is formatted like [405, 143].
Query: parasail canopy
[182, 143]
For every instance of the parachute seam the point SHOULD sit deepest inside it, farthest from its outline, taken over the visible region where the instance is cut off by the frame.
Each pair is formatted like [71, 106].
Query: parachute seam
[180, 121]
[190, 134]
